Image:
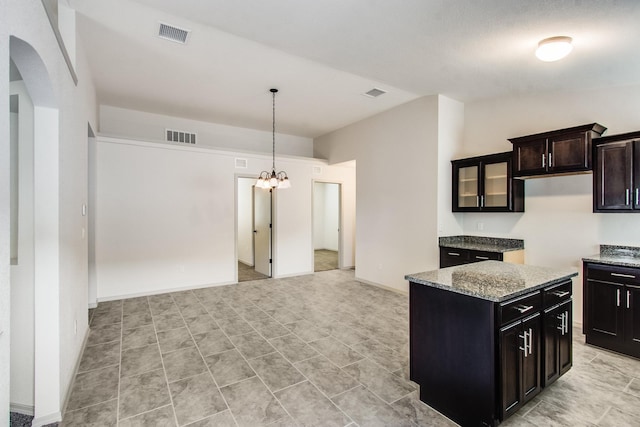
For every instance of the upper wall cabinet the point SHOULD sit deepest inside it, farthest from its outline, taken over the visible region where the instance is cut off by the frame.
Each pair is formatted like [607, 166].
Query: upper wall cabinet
[485, 184]
[559, 151]
[616, 178]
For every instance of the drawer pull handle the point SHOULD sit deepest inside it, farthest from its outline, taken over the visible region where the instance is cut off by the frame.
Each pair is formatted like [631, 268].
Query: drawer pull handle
[617, 297]
[628, 299]
[453, 253]
[482, 257]
[523, 308]
[628, 276]
[561, 294]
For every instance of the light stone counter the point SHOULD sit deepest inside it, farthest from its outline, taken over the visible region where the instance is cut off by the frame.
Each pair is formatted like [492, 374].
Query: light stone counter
[621, 256]
[492, 280]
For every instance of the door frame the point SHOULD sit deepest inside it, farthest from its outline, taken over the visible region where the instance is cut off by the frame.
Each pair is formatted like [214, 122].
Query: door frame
[339, 183]
[237, 177]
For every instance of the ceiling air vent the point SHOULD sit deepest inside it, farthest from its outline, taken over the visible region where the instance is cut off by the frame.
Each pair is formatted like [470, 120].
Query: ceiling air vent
[375, 92]
[180, 136]
[174, 34]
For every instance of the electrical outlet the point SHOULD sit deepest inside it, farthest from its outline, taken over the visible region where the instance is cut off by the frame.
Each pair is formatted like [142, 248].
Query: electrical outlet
[480, 225]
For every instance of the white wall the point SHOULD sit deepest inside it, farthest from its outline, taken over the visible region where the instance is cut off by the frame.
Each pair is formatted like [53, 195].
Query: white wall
[141, 125]
[450, 140]
[558, 226]
[73, 107]
[22, 272]
[166, 216]
[396, 215]
[326, 216]
[5, 253]
[245, 220]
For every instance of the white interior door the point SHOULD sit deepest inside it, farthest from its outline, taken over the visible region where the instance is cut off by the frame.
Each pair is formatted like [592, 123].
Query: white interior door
[262, 230]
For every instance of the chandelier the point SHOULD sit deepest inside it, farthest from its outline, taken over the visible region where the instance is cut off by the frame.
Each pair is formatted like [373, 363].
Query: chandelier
[273, 179]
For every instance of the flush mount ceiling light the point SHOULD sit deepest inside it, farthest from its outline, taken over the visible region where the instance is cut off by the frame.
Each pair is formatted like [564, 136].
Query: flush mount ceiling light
[554, 48]
[273, 179]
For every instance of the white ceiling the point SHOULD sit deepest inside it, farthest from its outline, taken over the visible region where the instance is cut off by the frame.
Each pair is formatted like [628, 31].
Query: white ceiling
[323, 54]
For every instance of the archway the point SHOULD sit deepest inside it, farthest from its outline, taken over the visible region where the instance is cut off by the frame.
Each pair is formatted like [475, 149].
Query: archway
[45, 239]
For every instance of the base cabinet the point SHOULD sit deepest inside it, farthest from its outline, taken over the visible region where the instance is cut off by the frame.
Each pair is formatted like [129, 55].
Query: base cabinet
[519, 363]
[612, 307]
[557, 345]
[481, 367]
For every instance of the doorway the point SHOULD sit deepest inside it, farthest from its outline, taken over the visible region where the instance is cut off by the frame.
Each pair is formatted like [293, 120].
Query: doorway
[326, 225]
[254, 231]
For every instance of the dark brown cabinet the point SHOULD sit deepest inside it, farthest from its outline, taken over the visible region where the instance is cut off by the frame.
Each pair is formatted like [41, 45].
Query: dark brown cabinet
[519, 363]
[560, 151]
[485, 184]
[612, 307]
[450, 257]
[558, 335]
[616, 179]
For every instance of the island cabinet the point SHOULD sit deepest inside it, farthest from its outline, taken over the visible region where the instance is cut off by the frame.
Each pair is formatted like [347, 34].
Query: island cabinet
[478, 337]
[485, 184]
[612, 307]
[560, 151]
[557, 355]
[519, 352]
[616, 178]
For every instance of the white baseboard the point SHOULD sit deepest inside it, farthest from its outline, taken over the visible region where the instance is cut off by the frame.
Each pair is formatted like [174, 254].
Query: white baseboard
[75, 371]
[378, 285]
[56, 417]
[163, 291]
[21, 409]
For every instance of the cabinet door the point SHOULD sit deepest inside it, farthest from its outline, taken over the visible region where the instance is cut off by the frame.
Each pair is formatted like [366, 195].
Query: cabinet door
[613, 176]
[604, 314]
[530, 157]
[569, 153]
[636, 174]
[551, 362]
[632, 317]
[466, 186]
[565, 341]
[531, 358]
[495, 188]
[512, 341]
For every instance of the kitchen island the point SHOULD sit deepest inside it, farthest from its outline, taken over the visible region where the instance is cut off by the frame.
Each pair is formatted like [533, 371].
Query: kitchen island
[486, 337]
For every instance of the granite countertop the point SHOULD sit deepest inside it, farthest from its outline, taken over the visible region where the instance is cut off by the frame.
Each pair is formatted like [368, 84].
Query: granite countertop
[623, 256]
[479, 243]
[492, 280]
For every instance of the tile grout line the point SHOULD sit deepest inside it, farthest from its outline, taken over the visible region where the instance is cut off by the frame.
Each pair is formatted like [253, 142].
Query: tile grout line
[204, 361]
[249, 364]
[164, 369]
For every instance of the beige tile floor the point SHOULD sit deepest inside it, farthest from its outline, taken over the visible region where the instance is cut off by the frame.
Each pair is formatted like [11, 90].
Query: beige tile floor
[325, 259]
[247, 273]
[320, 350]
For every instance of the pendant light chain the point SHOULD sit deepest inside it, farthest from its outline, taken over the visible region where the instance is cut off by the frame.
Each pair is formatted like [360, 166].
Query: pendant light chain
[273, 179]
[274, 129]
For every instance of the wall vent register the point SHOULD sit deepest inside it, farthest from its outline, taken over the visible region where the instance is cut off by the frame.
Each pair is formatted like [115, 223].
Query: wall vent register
[180, 136]
[174, 34]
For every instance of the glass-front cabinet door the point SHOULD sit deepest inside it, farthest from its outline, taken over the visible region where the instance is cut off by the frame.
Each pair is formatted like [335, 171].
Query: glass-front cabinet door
[469, 187]
[485, 183]
[495, 185]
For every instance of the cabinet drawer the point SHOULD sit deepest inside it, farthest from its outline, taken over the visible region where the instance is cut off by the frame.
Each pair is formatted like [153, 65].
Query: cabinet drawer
[557, 293]
[450, 257]
[477, 256]
[520, 307]
[613, 274]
